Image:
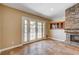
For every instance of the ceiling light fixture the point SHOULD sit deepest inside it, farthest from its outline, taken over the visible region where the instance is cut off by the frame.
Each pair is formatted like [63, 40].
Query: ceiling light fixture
[51, 9]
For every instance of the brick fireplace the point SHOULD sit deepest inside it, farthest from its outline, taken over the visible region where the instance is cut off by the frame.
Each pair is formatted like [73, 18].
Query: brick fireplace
[72, 23]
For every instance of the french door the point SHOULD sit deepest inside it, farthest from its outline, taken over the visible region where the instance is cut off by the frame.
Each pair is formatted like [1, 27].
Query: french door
[25, 26]
[33, 30]
[39, 30]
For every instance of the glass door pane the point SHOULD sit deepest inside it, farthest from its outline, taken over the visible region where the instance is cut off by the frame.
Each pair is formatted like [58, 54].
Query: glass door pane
[32, 30]
[25, 30]
[39, 30]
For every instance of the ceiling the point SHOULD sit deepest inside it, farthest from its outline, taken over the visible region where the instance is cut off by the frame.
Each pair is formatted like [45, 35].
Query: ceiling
[47, 10]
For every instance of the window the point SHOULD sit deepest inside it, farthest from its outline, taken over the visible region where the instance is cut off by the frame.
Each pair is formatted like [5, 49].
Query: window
[25, 33]
[39, 30]
[33, 30]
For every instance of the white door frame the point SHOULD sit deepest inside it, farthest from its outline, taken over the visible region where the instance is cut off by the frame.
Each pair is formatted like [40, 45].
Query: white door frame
[23, 29]
[28, 29]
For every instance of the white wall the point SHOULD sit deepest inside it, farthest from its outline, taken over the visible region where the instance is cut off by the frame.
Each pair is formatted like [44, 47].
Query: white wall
[58, 34]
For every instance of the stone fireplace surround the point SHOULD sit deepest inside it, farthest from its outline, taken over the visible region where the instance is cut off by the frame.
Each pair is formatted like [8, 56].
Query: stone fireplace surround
[72, 35]
[72, 25]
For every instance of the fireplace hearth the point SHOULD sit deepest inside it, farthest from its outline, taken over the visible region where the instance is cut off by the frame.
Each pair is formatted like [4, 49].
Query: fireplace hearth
[72, 36]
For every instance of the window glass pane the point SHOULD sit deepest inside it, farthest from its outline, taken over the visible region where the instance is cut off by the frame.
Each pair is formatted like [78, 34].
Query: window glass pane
[32, 30]
[25, 30]
[39, 27]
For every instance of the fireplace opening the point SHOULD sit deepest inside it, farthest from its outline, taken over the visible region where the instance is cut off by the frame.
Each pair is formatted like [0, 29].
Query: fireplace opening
[74, 38]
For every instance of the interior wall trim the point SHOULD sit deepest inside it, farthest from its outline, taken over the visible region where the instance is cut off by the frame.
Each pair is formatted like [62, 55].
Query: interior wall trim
[1, 50]
[55, 39]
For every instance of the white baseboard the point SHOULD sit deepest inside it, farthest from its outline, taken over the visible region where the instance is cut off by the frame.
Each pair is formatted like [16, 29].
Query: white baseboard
[10, 47]
[1, 50]
[50, 38]
[56, 39]
[53, 38]
[32, 41]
